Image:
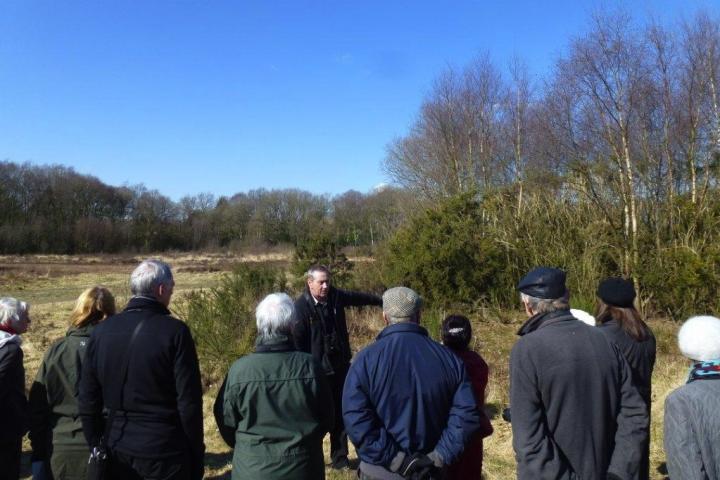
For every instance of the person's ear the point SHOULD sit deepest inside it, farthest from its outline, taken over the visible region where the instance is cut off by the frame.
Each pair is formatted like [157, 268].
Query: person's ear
[385, 318]
[529, 312]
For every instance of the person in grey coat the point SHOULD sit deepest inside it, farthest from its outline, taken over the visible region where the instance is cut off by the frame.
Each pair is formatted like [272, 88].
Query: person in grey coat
[575, 411]
[692, 424]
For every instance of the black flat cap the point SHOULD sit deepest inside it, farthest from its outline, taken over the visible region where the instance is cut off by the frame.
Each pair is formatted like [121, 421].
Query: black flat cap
[543, 282]
[617, 292]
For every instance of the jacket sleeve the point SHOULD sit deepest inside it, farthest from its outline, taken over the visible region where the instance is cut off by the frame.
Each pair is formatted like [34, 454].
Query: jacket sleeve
[463, 421]
[227, 433]
[537, 455]
[684, 460]
[326, 406]
[90, 399]
[347, 298]
[301, 333]
[40, 410]
[632, 425]
[372, 441]
[479, 379]
[189, 398]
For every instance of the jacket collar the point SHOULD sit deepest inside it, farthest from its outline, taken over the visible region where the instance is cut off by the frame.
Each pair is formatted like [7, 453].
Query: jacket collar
[146, 303]
[80, 331]
[541, 320]
[6, 338]
[402, 327]
[281, 343]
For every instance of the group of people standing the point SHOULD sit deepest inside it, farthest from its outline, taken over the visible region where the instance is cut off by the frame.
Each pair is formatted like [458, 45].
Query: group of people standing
[127, 385]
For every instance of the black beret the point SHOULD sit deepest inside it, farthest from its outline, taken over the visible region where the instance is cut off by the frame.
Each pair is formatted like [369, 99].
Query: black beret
[617, 292]
[543, 282]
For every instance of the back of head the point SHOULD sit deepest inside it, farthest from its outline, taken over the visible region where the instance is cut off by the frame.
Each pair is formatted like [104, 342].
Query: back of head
[147, 276]
[544, 290]
[10, 311]
[456, 332]
[699, 338]
[92, 306]
[273, 316]
[617, 297]
[401, 304]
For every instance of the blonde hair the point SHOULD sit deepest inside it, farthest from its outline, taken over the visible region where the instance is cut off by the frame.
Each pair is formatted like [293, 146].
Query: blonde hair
[92, 306]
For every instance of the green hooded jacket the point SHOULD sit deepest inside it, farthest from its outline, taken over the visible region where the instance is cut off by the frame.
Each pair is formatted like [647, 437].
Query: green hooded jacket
[275, 407]
[54, 420]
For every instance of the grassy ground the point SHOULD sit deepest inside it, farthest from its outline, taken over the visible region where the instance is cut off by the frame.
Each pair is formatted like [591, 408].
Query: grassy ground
[51, 284]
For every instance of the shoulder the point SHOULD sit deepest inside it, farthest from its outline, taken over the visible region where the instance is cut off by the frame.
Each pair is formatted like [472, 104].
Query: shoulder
[10, 351]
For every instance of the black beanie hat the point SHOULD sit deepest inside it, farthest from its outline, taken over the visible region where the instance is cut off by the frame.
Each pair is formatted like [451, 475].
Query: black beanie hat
[456, 332]
[617, 292]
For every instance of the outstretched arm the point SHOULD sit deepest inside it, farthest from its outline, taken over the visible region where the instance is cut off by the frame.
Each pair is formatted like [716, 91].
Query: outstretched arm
[349, 298]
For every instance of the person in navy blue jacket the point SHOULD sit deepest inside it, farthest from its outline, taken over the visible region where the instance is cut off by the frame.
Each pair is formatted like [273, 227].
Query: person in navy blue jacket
[408, 405]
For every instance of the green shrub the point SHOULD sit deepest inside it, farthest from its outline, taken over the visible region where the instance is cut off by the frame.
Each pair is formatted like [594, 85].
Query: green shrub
[681, 281]
[445, 255]
[321, 248]
[222, 318]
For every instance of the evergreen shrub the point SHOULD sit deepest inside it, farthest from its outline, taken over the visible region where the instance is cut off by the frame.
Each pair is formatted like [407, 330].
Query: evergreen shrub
[222, 318]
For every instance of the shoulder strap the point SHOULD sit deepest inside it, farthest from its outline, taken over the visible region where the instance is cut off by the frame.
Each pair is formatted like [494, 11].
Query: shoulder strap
[123, 377]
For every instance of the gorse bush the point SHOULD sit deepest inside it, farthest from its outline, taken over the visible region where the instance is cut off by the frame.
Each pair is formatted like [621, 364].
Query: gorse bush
[222, 318]
[445, 255]
[321, 248]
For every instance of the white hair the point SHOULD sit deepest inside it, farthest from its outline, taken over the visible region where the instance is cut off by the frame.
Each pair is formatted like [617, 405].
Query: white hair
[274, 316]
[699, 338]
[546, 305]
[148, 276]
[10, 311]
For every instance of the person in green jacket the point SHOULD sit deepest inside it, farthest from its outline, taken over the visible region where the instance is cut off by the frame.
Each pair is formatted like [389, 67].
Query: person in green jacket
[55, 430]
[275, 405]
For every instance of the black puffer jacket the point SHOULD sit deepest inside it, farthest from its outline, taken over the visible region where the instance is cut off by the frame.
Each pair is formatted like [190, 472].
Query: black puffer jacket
[314, 325]
[13, 403]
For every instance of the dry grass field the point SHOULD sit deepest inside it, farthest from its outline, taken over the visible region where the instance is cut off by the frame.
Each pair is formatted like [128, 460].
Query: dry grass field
[51, 284]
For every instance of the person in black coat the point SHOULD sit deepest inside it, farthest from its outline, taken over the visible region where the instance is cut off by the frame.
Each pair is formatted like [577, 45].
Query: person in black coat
[622, 325]
[157, 427]
[319, 328]
[14, 320]
[575, 411]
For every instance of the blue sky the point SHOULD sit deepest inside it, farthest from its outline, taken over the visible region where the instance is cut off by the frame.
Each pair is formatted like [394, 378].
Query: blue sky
[227, 96]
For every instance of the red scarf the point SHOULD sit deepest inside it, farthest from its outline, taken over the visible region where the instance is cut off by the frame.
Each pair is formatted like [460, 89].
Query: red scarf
[8, 329]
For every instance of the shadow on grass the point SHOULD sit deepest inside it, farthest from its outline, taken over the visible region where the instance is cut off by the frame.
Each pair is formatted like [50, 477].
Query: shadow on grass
[493, 410]
[218, 460]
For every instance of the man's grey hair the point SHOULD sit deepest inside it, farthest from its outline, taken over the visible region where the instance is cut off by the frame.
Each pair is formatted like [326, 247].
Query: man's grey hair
[148, 276]
[10, 311]
[274, 316]
[315, 269]
[546, 305]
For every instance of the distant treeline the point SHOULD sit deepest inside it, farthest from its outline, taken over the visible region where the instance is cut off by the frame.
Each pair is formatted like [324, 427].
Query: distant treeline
[53, 209]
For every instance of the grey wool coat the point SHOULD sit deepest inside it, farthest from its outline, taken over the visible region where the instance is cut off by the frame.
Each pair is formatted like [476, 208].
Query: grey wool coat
[692, 431]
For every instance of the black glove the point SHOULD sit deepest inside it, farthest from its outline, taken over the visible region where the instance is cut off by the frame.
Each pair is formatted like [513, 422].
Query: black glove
[416, 466]
[506, 415]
